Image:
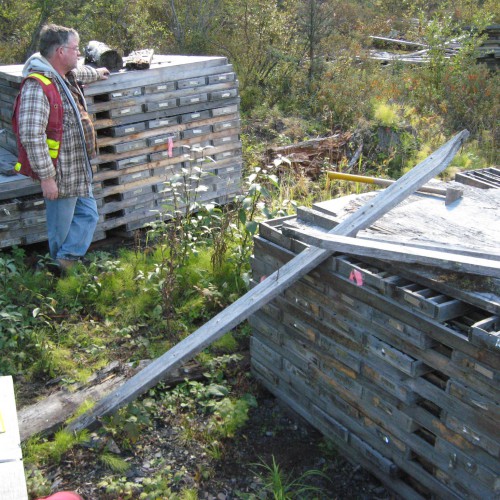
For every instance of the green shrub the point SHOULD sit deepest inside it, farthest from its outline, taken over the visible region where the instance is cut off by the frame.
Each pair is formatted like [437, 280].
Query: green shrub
[344, 94]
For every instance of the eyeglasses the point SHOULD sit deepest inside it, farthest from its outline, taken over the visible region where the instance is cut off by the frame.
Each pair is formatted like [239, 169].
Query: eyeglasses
[76, 49]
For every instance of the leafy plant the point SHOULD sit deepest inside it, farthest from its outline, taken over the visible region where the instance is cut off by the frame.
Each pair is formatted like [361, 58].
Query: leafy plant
[127, 423]
[230, 415]
[386, 114]
[37, 484]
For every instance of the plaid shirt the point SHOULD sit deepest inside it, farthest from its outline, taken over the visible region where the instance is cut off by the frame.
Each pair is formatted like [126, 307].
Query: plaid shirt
[72, 174]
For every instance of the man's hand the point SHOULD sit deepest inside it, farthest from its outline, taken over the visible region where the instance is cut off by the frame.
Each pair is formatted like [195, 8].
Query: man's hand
[103, 73]
[49, 188]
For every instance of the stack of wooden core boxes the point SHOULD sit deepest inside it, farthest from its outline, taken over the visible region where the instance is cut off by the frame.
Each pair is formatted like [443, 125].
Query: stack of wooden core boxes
[177, 120]
[397, 365]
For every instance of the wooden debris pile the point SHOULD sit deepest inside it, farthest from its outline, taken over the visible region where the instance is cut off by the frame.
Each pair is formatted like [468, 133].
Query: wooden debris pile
[489, 52]
[179, 115]
[396, 363]
[416, 57]
[310, 156]
[490, 49]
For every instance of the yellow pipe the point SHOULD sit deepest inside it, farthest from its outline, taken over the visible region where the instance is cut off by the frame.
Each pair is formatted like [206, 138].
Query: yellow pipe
[380, 182]
[359, 178]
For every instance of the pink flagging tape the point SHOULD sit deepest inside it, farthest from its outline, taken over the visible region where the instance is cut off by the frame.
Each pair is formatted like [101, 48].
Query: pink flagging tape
[170, 147]
[356, 277]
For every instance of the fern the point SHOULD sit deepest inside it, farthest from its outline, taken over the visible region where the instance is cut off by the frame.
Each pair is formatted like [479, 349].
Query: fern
[114, 463]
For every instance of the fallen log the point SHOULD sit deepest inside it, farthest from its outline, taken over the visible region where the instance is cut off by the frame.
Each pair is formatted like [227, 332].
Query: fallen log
[272, 286]
[49, 414]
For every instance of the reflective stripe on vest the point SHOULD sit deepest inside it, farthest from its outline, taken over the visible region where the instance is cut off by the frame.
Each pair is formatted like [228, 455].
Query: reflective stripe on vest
[42, 78]
[53, 144]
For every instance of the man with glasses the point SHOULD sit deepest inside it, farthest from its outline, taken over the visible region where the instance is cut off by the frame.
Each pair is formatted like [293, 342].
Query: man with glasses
[56, 140]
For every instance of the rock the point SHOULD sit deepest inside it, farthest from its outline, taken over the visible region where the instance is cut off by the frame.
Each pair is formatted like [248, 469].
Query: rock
[113, 447]
[380, 491]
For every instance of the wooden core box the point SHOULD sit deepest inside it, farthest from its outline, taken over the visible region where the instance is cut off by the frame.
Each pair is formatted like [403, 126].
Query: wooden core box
[397, 364]
[179, 115]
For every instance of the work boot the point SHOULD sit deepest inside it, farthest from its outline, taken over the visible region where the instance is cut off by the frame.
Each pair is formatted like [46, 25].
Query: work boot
[65, 264]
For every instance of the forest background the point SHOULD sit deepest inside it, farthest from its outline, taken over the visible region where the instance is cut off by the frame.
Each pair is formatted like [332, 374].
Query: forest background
[303, 58]
[304, 72]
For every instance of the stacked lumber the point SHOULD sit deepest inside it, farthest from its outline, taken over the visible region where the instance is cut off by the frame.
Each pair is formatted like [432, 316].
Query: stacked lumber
[397, 364]
[178, 116]
[489, 51]
[485, 178]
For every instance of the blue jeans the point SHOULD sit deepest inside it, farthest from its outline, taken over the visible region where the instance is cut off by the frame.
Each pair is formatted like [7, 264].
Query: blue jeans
[70, 226]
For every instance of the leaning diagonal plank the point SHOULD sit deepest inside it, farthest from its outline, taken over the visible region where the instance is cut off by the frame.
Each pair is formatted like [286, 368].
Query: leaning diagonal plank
[272, 286]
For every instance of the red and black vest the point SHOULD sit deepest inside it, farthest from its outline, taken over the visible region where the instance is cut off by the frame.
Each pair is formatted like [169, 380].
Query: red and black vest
[54, 129]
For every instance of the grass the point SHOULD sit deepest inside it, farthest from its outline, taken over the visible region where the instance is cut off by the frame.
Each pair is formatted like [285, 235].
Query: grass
[285, 486]
[39, 451]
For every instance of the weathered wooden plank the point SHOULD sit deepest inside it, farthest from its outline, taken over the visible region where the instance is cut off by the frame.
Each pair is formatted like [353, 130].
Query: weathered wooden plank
[392, 252]
[12, 480]
[272, 286]
[327, 221]
[48, 414]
